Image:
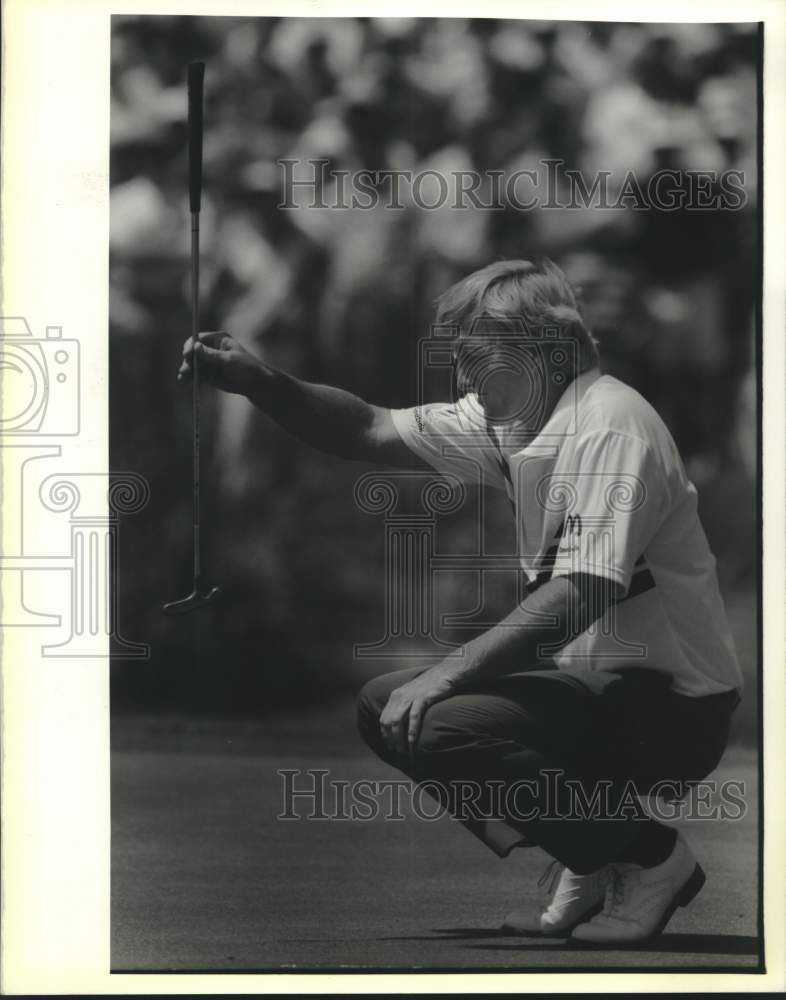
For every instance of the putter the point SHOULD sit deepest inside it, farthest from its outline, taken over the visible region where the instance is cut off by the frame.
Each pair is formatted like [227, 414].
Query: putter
[199, 596]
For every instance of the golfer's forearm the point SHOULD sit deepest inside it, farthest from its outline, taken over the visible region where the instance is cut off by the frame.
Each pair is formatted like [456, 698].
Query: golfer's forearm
[323, 416]
[518, 641]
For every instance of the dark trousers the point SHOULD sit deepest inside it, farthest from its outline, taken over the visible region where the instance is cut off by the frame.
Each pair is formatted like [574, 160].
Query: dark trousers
[556, 738]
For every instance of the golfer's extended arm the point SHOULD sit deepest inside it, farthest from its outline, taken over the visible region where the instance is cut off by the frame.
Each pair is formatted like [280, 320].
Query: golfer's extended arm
[330, 419]
[552, 616]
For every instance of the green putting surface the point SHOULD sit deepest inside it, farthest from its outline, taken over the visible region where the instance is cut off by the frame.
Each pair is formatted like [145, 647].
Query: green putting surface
[206, 877]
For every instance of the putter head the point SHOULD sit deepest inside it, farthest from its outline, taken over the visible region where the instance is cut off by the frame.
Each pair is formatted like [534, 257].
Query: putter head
[193, 602]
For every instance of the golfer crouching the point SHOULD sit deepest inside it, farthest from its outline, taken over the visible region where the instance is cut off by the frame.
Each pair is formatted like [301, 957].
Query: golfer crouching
[615, 676]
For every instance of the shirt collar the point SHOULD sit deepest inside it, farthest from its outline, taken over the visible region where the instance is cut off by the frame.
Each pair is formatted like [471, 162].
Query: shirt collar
[572, 395]
[512, 442]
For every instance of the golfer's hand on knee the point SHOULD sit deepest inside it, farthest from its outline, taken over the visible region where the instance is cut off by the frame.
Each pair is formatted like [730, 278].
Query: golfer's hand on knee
[402, 717]
[222, 363]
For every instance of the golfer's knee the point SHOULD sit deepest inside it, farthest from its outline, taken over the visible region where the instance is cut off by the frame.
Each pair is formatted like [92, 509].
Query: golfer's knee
[370, 702]
[441, 728]
[440, 731]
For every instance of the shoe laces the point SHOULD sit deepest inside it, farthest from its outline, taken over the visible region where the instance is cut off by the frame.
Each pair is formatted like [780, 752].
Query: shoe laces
[550, 876]
[615, 889]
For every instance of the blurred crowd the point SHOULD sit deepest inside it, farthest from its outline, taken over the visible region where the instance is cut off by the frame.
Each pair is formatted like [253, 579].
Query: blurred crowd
[344, 295]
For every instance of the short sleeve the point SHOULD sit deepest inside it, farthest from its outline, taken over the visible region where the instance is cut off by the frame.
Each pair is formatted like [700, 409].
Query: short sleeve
[614, 494]
[452, 438]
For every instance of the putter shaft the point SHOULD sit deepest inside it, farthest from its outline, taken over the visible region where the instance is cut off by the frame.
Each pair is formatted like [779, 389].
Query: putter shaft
[197, 598]
[195, 394]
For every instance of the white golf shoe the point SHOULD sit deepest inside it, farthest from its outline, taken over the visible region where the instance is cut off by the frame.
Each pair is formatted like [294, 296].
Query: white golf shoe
[569, 900]
[640, 901]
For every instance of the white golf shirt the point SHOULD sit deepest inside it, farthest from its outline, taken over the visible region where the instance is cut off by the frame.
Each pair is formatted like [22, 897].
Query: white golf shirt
[600, 490]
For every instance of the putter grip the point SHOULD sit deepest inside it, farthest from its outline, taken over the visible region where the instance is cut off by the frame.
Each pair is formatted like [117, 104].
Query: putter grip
[196, 77]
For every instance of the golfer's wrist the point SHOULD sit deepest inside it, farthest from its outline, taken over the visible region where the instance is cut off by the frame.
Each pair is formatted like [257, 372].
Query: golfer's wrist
[458, 673]
[264, 386]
